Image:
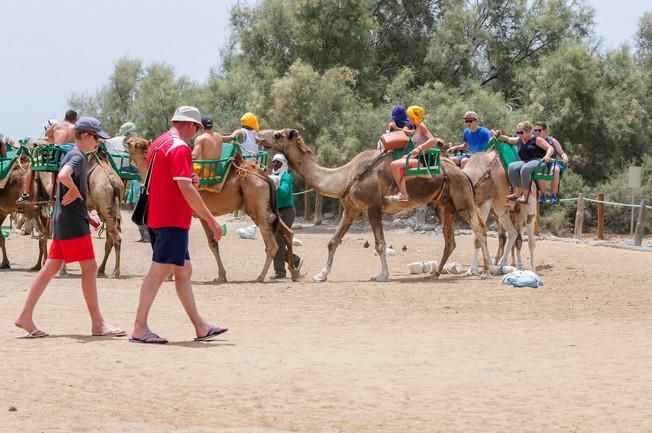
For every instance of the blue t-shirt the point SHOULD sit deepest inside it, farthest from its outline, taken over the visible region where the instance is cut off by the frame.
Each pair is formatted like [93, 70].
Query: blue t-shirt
[477, 140]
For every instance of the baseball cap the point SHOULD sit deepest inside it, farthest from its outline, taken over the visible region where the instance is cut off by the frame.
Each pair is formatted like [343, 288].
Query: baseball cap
[471, 115]
[187, 113]
[126, 128]
[207, 121]
[91, 124]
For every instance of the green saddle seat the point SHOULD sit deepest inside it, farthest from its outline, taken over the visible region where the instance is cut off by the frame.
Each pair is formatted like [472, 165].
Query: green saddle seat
[546, 170]
[428, 164]
[122, 164]
[213, 172]
[48, 157]
[506, 151]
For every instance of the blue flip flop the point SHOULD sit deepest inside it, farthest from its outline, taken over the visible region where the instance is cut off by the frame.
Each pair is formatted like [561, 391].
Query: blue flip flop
[145, 339]
[214, 332]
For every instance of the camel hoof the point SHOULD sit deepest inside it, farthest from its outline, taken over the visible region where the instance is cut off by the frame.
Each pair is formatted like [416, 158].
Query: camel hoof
[296, 276]
[5, 265]
[320, 277]
[433, 276]
[471, 273]
[35, 268]
[381, 278]
[485, 276]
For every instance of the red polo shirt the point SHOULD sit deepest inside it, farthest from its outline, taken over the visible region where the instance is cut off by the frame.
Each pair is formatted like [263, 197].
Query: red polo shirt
[167, 207]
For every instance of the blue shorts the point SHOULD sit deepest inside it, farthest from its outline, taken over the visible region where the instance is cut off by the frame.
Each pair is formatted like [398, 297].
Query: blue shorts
[169, 245]
[562, 167]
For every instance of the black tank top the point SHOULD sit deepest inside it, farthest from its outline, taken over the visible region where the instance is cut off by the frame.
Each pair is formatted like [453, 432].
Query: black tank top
[529, 150]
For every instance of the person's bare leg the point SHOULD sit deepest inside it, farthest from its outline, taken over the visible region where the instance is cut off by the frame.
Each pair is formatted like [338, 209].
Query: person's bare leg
[183, 284]
[48, 271]
[158, 272]
[555, 180]
[89, 288]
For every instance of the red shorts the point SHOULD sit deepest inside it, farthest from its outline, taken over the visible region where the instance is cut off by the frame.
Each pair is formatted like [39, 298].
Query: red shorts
[72, 250]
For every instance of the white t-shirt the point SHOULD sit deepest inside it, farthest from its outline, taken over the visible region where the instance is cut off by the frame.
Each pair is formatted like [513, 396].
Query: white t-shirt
[115, 144]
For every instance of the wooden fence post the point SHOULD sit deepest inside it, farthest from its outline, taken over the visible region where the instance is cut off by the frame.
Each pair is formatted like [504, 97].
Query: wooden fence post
[579, 216]
[640, 224]
[601, 216]
[319, 207]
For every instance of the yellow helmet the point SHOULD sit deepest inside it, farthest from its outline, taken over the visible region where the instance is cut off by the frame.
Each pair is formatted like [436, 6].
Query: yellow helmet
[250, 121]
[416, 114]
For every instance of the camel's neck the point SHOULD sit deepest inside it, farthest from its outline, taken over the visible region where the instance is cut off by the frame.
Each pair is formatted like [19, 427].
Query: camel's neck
[329, 182]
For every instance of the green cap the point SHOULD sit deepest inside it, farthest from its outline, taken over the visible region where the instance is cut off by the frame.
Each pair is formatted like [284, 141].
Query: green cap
[126, 128]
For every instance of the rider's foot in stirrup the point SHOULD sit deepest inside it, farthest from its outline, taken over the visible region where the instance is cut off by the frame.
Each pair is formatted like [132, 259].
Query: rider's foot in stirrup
[554, 199]
[23, 198]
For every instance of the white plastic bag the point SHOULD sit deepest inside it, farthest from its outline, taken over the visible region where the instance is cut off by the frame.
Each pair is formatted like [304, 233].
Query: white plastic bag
[247, 232]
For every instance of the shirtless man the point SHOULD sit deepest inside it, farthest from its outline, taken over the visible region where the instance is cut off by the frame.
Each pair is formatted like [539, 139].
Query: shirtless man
[59, 133]
[209, 144]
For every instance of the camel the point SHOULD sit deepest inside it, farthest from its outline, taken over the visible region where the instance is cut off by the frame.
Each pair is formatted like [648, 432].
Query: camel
[104, 193]
[362, 184]
[8, 196]
[246, 186]
[486, 172]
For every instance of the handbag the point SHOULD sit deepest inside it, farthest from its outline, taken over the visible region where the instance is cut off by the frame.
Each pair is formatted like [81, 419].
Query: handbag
[394, 140]
[139, 215]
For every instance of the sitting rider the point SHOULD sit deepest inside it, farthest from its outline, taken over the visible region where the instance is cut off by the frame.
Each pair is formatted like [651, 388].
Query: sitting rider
[208, 145]
[531, 149]
[61, 134]
[541, 129]
[400, 122]
[245, 136]
[423, 140]
[475, 139]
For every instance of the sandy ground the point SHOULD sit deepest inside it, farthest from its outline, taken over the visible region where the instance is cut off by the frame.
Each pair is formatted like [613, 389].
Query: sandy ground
[413, 355]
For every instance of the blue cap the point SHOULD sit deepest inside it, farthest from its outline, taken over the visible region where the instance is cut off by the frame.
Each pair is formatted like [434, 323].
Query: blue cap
[91, 124]
[400, 117]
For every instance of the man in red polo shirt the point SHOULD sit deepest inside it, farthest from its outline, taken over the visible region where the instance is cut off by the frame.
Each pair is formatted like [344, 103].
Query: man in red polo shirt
[173, 197]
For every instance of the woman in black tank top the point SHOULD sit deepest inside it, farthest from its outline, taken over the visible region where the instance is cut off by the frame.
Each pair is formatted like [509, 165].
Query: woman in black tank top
[531, 149]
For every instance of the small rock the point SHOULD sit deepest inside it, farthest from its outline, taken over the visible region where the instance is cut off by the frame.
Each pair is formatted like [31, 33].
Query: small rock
[366, 244]
[13, 409]
[404, 249]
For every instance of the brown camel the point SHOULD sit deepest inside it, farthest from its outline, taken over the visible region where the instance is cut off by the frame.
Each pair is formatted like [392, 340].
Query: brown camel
[362, 185]
[8, 196]
[247, 186]
[486, 172]
[104, 193]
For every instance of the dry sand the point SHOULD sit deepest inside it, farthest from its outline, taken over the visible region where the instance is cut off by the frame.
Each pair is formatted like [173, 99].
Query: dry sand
[412, 355]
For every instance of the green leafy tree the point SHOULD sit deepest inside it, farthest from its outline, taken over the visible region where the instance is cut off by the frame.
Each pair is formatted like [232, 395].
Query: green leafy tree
[119, 95]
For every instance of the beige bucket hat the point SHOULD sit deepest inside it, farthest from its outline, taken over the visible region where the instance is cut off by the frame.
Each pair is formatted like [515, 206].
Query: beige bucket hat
[187, 113]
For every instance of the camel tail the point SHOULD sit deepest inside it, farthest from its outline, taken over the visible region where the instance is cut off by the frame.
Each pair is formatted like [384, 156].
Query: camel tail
[117, 194]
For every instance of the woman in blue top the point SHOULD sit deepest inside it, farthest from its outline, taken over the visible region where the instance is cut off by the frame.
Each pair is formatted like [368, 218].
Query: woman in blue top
[531, 149]
[475, 139]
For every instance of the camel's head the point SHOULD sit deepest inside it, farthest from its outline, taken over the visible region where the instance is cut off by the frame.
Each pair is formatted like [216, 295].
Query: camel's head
[138, 148]
[282, 140]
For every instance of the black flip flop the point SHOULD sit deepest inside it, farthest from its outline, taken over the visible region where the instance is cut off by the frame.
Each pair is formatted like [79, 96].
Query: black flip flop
[214, 332]
[149, 336]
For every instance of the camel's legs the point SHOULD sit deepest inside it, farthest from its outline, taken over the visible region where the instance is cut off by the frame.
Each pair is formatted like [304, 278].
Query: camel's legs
[531, 240]
[108, 246]
[376, 221]
[215, 248]
[484, 214]
[271, 247]
[5, 260]
[288, 235]
[345, 223]
[43, 229]
[448, 230]
[480, 232]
